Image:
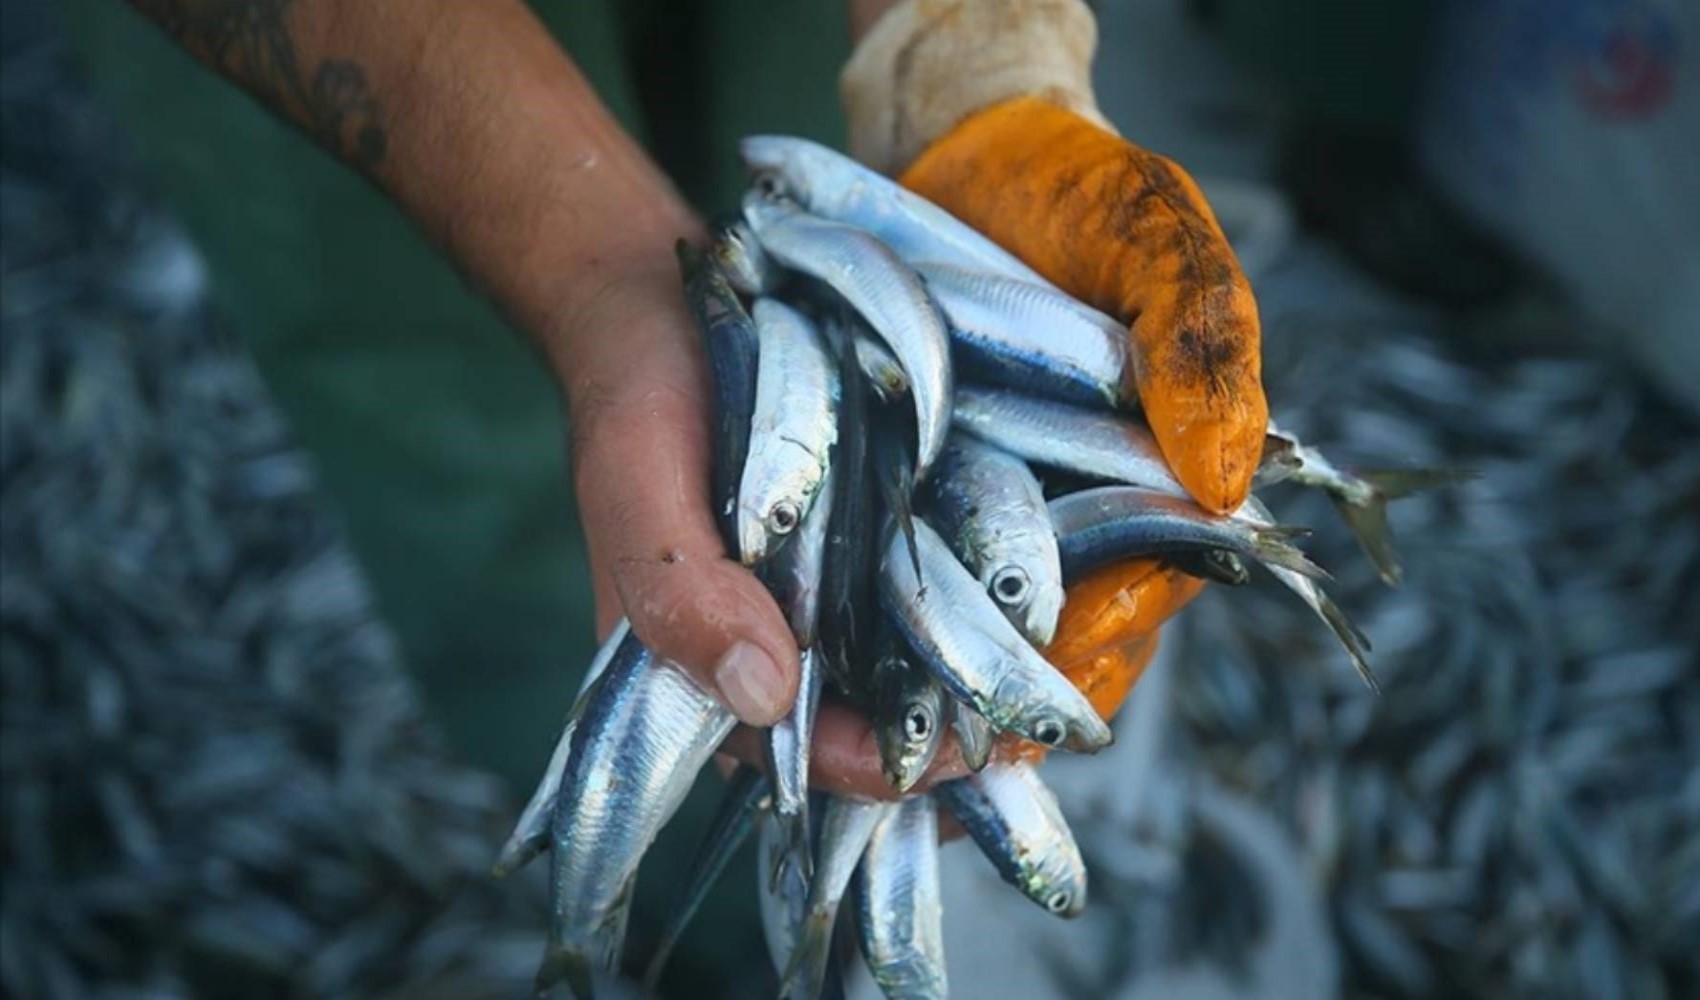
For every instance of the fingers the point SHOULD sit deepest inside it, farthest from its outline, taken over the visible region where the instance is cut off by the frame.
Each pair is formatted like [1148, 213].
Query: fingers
[1128, 232]
[844, 758]
[640, 461]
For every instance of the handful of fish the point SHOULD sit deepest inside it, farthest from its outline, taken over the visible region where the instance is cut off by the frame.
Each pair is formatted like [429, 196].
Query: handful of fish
[919, 444]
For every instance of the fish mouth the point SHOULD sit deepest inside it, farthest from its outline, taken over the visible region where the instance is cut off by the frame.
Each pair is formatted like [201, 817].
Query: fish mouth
[753, 543]
[1089, 735]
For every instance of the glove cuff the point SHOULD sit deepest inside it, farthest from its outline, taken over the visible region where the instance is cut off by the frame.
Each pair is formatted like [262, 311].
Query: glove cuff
[928, 64]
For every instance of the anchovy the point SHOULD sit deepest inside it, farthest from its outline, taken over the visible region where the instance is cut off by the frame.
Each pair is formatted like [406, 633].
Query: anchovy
[909, 712]
[846, 826]
[1087, 442]
[833, 186]
[729, 340]
[978, 654]
[792, 430]
[847, 569]
[747, 794]
[1361, 498]
[974, 735]
[782, 906]
[989, 507]
[531, 834]
[1105, 446]
[734, 247]
[795, 579]
[1108, 524]
[1018, 825]
[645, 733]
[900, 905]
[884, 290]
[1032, 336]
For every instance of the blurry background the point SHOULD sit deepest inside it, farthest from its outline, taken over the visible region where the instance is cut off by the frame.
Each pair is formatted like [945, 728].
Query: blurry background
[292, 599]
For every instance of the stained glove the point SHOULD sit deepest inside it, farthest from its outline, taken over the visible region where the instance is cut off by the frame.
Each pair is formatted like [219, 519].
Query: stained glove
[986, 108]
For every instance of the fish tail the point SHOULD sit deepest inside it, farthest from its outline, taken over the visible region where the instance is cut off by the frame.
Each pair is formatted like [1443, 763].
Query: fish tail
[1356, 643]
[807, 972]
[1364, 509]
[564, 962]
[795, 854]
[1271, 546]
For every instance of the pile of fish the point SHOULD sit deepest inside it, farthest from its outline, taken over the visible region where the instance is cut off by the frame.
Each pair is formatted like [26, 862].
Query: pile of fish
[889, 387]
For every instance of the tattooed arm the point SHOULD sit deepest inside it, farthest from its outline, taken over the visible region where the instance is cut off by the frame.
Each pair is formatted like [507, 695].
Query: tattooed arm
[470, 117]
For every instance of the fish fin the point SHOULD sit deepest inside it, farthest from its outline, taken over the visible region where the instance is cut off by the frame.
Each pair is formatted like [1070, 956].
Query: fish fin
[563, 962]
[974, 736]
[1357, 644]
[1270, 545]
[1222, 566]
[806, 974]
[1365, 509]
[794, 855]
[526, 842]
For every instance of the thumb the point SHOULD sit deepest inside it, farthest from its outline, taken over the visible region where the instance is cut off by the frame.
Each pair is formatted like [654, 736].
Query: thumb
[637, 398]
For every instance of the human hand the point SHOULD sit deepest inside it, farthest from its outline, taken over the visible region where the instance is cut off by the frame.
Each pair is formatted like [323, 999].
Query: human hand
[986, 109]
[637, 388]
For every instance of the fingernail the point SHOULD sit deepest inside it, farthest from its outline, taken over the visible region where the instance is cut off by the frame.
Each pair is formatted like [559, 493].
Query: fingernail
[751, 684]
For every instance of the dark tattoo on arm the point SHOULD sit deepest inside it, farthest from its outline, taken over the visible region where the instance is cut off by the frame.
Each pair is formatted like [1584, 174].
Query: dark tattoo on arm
[248, 41]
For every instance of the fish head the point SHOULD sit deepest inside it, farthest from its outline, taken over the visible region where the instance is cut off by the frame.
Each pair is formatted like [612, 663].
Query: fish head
[789, 163]
[735, 249]
[1045, 708]
[1031, 604]
[910, 723]
[770, 514]
[1055, 878]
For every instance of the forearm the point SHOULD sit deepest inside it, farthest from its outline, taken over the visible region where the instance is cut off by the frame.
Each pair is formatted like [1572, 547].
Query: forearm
[473, 120]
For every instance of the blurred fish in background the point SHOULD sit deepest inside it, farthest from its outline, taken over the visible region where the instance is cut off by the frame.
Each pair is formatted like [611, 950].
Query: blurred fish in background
[218, 779]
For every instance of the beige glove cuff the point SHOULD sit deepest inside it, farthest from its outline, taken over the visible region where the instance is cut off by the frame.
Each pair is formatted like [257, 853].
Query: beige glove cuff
[928, 64]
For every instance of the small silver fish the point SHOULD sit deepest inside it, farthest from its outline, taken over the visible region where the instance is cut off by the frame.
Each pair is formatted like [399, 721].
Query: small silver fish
[846, 826]
[909, 713]
[796, 583]
[1105, 524]
[974, 735]
[949, 619]
[1088, 442]
[739, 254]
[791, 431]
[988, 506]
[900, 906]
[1018, 825]
[531, 834]
[834, 186]
[883, 289]
[782, 906]
[1032, 336]
[645, 733]
[1361, 498]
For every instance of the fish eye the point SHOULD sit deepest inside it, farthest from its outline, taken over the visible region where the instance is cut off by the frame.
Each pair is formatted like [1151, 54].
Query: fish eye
[918, 722]
[1057, 902]
[1050, 732]
[1010, 586]
[784, 518]
[769, 186]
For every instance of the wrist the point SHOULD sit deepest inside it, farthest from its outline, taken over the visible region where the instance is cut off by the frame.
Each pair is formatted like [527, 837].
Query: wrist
[925, 65]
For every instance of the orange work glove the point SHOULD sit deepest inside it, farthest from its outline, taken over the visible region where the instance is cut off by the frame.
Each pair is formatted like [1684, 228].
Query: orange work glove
[985, 107]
